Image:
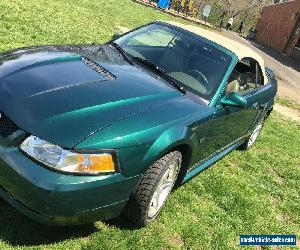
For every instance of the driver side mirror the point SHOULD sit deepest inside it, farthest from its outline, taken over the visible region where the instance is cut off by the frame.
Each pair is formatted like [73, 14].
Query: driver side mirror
[235, 100]
[116, 35]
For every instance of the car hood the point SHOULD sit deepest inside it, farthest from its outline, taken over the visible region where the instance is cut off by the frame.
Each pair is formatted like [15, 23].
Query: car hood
[63, 94]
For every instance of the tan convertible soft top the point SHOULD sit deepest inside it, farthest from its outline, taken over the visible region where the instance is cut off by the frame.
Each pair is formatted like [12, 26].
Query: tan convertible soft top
[237, 48]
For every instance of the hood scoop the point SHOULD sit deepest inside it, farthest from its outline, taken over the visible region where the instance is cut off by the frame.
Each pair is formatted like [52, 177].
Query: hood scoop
[99, 69]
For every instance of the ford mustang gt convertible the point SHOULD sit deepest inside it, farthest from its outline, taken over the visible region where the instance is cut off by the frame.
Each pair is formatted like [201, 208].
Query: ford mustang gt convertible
[88, 132]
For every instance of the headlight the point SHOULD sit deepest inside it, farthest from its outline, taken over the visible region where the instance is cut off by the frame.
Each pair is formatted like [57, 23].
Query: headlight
[68, 161]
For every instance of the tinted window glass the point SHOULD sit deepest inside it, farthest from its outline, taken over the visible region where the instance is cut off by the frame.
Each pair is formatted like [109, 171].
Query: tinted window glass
[156, 37]
[185, 57]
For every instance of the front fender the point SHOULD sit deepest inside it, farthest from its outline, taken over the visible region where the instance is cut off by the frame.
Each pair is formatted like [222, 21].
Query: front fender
[170, 139]
[143, 138]
[136, 160]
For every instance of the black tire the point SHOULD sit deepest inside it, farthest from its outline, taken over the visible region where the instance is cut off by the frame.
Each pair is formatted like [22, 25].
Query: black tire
[248, 143]
[140, 200]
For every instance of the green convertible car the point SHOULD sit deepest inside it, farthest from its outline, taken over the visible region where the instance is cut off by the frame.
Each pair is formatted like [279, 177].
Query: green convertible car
[90, 131]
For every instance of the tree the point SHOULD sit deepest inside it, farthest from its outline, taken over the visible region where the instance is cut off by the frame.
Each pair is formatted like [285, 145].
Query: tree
[248, 10]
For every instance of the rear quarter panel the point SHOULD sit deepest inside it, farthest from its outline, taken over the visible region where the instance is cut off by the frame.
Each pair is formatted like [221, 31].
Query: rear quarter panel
[268, 92]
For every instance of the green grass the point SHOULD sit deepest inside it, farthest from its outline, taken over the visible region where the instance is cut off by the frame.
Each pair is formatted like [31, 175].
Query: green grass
[246, 192]
[288, 103]
[37, 22]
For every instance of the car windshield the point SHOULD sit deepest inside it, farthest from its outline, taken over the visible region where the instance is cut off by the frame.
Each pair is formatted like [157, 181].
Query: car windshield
[186, 58]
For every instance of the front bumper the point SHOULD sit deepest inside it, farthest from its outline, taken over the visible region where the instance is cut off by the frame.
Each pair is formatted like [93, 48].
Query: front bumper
[57, 199]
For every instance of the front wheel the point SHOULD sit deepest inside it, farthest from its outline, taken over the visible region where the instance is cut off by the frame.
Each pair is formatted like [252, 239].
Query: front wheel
[153, 189]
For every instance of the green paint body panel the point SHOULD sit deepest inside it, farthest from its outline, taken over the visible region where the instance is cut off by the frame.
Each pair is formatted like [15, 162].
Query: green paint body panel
[52, 93]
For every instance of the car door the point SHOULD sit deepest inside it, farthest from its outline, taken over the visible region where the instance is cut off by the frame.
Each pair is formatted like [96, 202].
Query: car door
[230, 123]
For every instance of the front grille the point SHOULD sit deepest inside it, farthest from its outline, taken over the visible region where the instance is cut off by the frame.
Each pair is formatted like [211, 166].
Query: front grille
[7, 127]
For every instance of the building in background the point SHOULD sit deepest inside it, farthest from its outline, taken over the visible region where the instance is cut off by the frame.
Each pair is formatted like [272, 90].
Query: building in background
[279, 28]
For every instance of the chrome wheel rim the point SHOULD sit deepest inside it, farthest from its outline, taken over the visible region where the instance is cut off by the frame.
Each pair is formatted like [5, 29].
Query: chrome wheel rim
[255, 134]
[163, 189]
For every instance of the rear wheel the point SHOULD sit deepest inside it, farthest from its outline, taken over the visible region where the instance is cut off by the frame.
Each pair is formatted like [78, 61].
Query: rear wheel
[153, 189]
[254, 135]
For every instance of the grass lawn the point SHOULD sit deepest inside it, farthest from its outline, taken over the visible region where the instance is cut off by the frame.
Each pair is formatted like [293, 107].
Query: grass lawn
[35, 22]
[253, 192]
[288, 103]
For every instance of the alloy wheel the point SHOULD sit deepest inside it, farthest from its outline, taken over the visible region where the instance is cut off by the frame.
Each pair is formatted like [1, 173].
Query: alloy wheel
[163, 189]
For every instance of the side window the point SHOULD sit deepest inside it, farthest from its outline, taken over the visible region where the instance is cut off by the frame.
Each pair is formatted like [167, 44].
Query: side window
[246, 77]
[153, 38]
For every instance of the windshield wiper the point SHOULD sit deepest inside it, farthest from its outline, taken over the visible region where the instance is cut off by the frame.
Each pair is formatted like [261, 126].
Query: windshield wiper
[122, 52]
[149, 64]
[161, 71]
